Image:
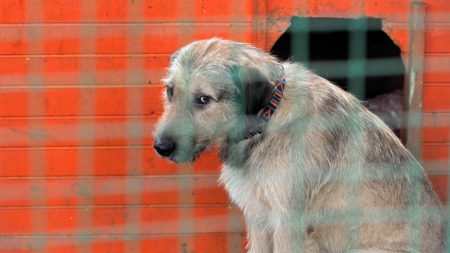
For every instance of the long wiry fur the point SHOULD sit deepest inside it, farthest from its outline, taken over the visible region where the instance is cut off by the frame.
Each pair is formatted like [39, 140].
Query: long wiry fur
[326, 175]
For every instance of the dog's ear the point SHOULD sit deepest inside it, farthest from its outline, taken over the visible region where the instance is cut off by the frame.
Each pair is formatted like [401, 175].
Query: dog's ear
[252, 92]
[258, 92]
[255, 88]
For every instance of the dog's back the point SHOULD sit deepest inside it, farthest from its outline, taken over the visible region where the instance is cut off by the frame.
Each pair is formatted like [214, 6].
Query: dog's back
[373, 188]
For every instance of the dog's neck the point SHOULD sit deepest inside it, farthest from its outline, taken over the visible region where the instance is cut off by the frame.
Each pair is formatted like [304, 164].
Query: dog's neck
[268, 110]
[233, 151]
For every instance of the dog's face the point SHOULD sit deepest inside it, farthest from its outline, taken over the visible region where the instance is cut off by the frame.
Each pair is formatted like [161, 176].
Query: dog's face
[208, 99]
[197, 105]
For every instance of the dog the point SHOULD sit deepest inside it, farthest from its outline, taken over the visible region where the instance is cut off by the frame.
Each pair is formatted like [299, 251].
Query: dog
[311, 169]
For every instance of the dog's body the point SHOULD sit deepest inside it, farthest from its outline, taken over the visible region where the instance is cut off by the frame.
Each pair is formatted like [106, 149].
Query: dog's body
[325, 174]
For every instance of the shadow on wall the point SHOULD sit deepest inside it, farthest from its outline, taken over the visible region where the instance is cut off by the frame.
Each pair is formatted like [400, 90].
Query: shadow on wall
[355, 54]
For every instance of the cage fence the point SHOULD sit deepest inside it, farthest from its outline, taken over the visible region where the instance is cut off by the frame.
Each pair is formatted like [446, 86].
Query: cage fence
[80, 93]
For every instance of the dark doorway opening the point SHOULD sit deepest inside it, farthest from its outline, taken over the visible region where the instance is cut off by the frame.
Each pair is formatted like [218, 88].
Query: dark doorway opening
[355, 54]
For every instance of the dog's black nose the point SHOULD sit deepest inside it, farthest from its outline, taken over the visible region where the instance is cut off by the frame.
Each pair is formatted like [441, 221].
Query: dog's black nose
[164, 146]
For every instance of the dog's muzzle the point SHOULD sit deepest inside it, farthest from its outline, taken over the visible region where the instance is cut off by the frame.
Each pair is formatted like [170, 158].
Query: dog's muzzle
[164, 146]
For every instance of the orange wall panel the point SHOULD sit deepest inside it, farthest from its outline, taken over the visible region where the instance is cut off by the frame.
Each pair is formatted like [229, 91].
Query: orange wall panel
[162, 10]
[66, 223]
[74, 161]
[60, 10]
[343, 8]
[437, 38]
[16, 221]
[436, 68]
[436, 127]
[14, 163]
[64, 70]
[106, 11]
[436, 98]
[14, 102]
[12, 11]
[110, 246]
[437, 10]
[67, 101]
[393, 10]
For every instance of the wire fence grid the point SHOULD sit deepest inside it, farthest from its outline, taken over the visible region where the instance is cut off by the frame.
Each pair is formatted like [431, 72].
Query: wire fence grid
[80, 92]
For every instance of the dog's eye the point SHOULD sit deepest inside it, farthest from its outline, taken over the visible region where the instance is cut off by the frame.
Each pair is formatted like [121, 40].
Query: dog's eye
[169, 91]
[203, 100]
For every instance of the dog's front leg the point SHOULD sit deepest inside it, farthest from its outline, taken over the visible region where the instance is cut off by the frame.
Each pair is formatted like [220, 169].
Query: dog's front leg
[259, 241]
[259, 236]
[290, 236]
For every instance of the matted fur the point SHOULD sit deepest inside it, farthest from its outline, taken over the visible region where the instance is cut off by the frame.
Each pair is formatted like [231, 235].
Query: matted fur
[326, 175]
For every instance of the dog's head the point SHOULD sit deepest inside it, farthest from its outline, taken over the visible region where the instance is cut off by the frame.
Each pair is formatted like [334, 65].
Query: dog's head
[213, 88]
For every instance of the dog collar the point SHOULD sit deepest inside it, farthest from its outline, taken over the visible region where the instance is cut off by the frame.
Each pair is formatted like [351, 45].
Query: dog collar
[269, 109]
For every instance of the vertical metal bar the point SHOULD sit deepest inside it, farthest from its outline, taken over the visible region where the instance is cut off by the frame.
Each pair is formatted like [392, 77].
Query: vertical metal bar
[300, 40]
[36, 149]
[414, 83]
[414, 116]
[357, 57]
[134, 129]
[86, 132]
[186, 209]
[258, 38]
[356, 84]
[259, 21]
